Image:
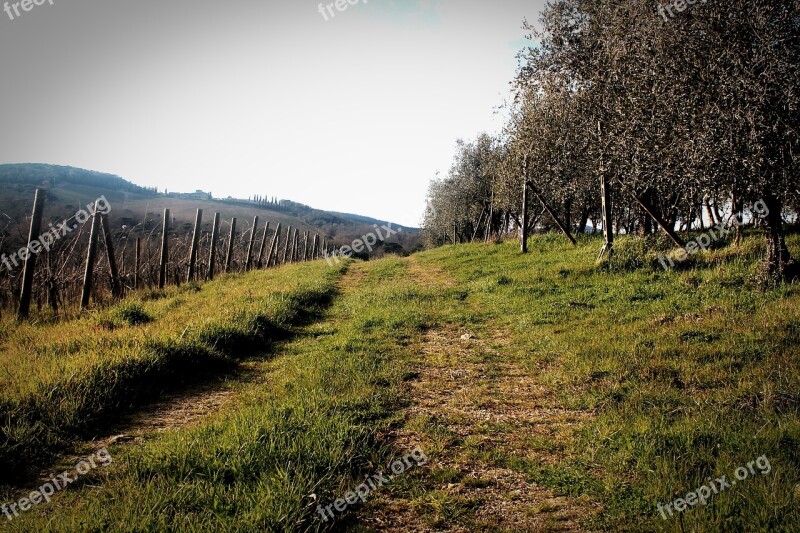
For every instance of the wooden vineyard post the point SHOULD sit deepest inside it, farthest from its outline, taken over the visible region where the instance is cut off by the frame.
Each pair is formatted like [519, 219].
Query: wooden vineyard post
[116, 287]
[305, 246]
[229, 255]
[195, 241]
[563, 227]
[250, 246]
[263, 247]
[524, 225]
[295, 245]
[670, 232]
[314, 247]
[605, 197]
[286, 246]
[273, 248]
[90, 255]
[212, 256]
[608, 229]
[34, 247]
[490, 219]
[162, 264]
[137, 262]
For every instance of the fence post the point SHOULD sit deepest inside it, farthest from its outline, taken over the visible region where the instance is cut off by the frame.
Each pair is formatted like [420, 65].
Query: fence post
[116, 290]
[295, 244]
[30, 257]
[608, 230]
[286, 246]
[229, 255]
[314, 247]
[162, 266]
[263, 246]
[524, 245]
[272, 249]
[251, 245]
[305, 246]
[605, 197]
[195, 242]
[213, 254]
[90, 255]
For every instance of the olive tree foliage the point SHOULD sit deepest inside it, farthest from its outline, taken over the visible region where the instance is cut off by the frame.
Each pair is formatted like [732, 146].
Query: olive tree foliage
[460, 206]
[549, 144]
[694, 112]
[699, 108]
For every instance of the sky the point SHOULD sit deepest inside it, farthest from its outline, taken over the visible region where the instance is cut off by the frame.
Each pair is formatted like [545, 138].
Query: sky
[354, 112]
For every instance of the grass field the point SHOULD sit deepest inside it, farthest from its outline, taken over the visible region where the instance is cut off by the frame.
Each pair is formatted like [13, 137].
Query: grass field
[548, 392]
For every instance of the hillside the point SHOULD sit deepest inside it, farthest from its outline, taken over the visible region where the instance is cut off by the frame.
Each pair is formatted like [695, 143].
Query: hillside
[539, 392]
[69, 189]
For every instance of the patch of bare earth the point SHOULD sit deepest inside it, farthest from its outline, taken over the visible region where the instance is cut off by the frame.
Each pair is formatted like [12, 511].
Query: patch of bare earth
[471, 411]
[428, 275]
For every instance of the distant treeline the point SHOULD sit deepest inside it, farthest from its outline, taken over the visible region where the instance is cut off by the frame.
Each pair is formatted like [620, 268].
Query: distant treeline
[53, 175]
[693, 114]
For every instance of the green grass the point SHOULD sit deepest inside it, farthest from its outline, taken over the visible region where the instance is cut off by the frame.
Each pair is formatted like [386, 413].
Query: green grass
[682, 375]
[298, 439]
[60, 382]
[689, 374]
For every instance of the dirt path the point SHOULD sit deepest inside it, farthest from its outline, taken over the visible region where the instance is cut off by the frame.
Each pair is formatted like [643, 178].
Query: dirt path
[173, 410]
[476, 411]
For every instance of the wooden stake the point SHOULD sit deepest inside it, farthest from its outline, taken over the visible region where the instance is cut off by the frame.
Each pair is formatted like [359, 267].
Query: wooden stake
[263, 247]
[198, 220]
[605, 195]
[273, 248]
[670, 232]
[524, 223]
[162, 268]
[116, 289]
[286, 246]
[229, 255]
[212, 256]
[30, 258]
[90, 255]
[552, 213]
[251, 245]
[293, 251]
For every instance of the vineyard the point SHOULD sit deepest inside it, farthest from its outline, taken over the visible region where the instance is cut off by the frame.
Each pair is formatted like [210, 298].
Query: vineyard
[84, 256]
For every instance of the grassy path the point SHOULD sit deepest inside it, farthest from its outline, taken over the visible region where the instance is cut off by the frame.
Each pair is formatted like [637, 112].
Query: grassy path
[547, 393]
[474, 410]
[301, 435]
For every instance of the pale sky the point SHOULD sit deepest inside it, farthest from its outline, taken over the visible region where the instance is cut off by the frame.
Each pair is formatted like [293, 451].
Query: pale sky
[242, 97]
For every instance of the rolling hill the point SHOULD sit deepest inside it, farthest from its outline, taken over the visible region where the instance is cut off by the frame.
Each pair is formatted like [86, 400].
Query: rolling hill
[69, 189]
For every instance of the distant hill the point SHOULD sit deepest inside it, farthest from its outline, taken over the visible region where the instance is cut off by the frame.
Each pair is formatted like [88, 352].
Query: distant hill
[56, 176]
[69, 189]
[368, 220]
